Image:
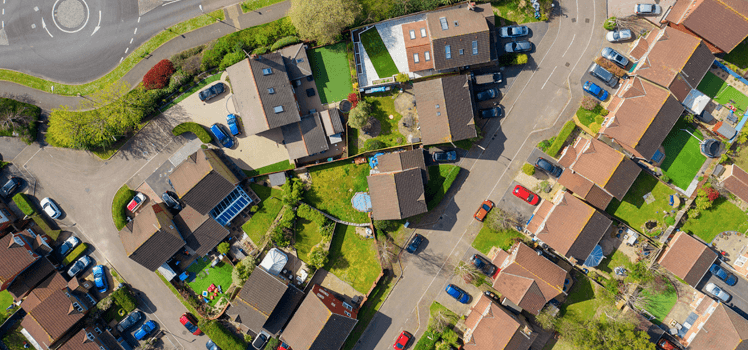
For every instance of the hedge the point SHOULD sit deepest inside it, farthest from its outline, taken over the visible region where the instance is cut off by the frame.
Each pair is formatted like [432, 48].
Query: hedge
[194, 128]
[283, 42]
[512, 59]
[23, 203]
[561, 138]
[528, 169]
[119, 206]
[42, 223]
[124, 298]
[222, 336]
[75, 254]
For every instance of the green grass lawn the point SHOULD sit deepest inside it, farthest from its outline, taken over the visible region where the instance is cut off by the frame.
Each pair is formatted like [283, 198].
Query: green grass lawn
[728, 216]
[588, 117]
[119, 206]
[272, 168]
[220, 275]
[331, 73]
[5, 300]
[268, 210]
[661, 302]
[251, 5]
[488, 238]
[614, 260]
[739, 55]
[509, 10]
[741, 159]
[441, 178]
[382, 106]
[307, 236]
[378, 54]
[353, 258]
[333, 186]
[683, 157]
[582, 302]
[634, 211]
[718, 89]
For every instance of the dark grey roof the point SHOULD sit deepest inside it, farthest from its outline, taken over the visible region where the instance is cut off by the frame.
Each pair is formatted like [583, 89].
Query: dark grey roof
[283, 311]
[201, 232]
[305, 138]
[332, 121]
[334, 333]
[460, 108]
[592, 233]
[283, 95]
[445, 109]
[211, 190]
[154, 237]
[247, 315]
[660, 127]
[293, 141]
[398, 161]
[465, 43]
[261, 293]
[472, 25]
[30, 278]
[156, 250]
[697, 65]
[296, 60]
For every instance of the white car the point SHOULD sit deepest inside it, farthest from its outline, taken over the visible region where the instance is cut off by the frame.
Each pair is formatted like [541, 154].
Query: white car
[717, 292]
[49, 207]
[619, 35]
[647, 9]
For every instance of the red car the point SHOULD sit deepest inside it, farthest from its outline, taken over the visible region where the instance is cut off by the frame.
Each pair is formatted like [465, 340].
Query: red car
[402, 340]
[483, 210]
[666, 344]
[190, 323]
[526, 195]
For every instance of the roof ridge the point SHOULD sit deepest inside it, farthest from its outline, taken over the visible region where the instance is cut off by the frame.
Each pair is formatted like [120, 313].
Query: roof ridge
[536, 275]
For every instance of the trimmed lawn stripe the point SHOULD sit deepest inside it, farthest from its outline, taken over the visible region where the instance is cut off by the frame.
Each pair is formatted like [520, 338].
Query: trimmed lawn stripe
[268, 210]
[353, 258]
[488, 238]
[378, 54]
[634, 211]
[251, 5]
[331, 72]
[220, 275]
[722, 216]
[683, 157]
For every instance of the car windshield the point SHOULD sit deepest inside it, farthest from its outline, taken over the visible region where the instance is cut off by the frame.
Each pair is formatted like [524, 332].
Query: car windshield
[485, 207]
[616, 36]
[191, 327]
[530, 197]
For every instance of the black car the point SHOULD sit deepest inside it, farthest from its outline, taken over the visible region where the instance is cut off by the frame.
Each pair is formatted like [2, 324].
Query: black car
[414, 244]
[518, 46]
[10, 186]
[171, 201]
[483, 264]
[486, 95]
[548, 167]
[495, 112]
[211, 92]
[447, 156]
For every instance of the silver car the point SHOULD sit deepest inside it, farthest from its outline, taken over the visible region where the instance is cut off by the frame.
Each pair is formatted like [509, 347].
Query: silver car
[129, 321]
[513, 31]
[518, 46]
[50, 207]
[79, 265]
[619, 35]
[615, 57]
[647, 9]
[712, 289]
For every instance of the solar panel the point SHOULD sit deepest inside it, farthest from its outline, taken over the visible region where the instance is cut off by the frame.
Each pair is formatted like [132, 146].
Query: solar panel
[231, 206]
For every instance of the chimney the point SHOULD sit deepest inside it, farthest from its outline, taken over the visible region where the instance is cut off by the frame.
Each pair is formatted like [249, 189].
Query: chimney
[471, 6]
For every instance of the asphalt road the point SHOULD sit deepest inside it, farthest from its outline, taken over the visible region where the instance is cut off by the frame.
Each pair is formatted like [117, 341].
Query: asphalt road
[739, 292]
[543, 96]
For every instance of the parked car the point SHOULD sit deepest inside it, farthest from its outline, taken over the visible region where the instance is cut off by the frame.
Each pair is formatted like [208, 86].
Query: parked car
[136, 202]
[403, 340]
[10, 186]
[548, 167]
[210, 345]
[615, 57]
[129, 321]
[665, 344]
[68, 246]
[100, 279]
[718, 271]
[495, 112]
[148, 327]
[712, 289]
[79, 265]
[284, 346]
[414, 244]
[189, 322]
[483, 264]
[171, 200]
[233, 125]
[595, 90]
[260, 340]
[446, 156]
[513, 31]
[525, 194]
[619, 35]
[647, 9]
[219, 132]
[604, 75]
[50, 208]
[211, 92]
[486, 95]
[518, 46]
[483, 210]
[457, 293]
[488, 78]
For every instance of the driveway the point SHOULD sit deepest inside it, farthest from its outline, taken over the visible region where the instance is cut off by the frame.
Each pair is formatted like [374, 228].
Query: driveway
[739, 292]
[623, 8]
[516, 206]
[537, 32]
[588, 77]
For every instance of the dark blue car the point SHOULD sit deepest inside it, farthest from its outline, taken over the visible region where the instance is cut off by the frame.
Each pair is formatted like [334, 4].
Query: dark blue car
[457, 293]
[548, 167]
[211, 92]
[718, 271]
[595, 90]
[448, 156]
[221, 135]
[414, 243]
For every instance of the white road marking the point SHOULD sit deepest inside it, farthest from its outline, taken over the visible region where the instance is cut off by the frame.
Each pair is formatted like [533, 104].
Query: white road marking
[170, 2]
[136, 31]
[120, 59]
[549, 77]
[138, 19]
[131, 39]
[98, 26]
[88, 16]
[127, 49]
[3, 11]
[572, 42]
[44, 25]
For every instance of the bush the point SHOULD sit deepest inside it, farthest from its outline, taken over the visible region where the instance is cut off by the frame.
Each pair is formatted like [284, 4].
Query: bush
[711, 194]
[665, 178]
[21, 119]
[610, 66]
[124, 298]
[158, 76]
[561, 138]
[610, 23]
[24, 204]
[223, 248]
[359, 117]
[260, 50]
[373, 144]
[223, 338]
[306, 212]
[353, 98]
[589, 103]
[75, 254]
[512, 59]
[283, 42]
[528, 169]
[543, 145]
[317, 257]
[194, 128]
[386, 225]
[242, 270]
[670, 221]
[402, 78]
[250, 38]
[231, 59]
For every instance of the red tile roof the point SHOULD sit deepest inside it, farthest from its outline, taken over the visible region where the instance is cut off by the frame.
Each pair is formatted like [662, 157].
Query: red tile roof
[724, 329]
[496, 328]
[731, 15]
[687, 258]
[16, 254]
[51, 319]
[737, 182]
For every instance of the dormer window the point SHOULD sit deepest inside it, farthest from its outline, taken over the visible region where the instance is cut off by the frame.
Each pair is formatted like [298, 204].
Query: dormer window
[267, 71]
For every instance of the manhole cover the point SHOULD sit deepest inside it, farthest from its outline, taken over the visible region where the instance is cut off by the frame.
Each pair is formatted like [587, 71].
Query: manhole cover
[567, 64]
[586, 20]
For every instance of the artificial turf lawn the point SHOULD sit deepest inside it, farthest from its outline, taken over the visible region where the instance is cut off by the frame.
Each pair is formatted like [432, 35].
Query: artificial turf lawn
[488, 238]
[441, 178]
[331, 73]
[718, 90]
[378, 54]
[728, 216]
[220, 275]
[739, 55]
[683, 157]
[660, 303]
[268, 210]
[353, 258]
[333, 186]
[307, 236]
[634, 211]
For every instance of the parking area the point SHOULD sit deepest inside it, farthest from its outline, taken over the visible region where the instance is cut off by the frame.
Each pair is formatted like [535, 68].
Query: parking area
[588, 77]
[516, 206]
[739, 292]
[623, 8]
[537, 31]
[451, 303]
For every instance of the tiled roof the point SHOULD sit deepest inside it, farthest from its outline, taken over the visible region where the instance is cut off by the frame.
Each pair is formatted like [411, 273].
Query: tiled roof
[30, 277]
[598, 198]
[641, 46]
[260, 295]
[418, 45]
[315, 327]
[282, 313]
[203, 180]
[725, 329]
[397, 195]
[575, 183]
[296, 61]
[51, 319]
[43, 290]
[602, 165]
[14, 257]
[520, 290]
[688, 258]
[279, 81]
[201, 232]
[732, 17]
[737, 182]
[495, 328]
[463, 28]
[399, 161]
[445, 109]
[305, 138]
[80, 341]
[539, 216]
[153, 239]
[246, 98]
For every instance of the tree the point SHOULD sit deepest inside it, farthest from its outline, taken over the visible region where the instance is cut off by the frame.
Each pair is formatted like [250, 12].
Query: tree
[293, 190]
[158, 76]
[589, 103]
[604, 334]
[639, 273]
[359, 117]
[317, 257]
[402, 78]
[387, 251]
[353, 99]
[322, 20]
[223, 248]
[500, 220]
[466, 271]
[546, 320]
[440, 320]
[242, 270]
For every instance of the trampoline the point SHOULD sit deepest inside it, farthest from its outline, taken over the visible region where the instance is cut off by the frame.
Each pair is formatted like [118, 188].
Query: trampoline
[361, 201]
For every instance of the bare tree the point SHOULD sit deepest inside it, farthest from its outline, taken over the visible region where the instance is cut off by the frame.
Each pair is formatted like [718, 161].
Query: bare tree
[439, 321]
[388, 250]
[638, 300]
[466, 272]
[499, 220]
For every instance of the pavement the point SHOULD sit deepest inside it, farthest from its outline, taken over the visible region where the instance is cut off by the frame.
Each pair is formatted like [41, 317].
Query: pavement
[537, 105]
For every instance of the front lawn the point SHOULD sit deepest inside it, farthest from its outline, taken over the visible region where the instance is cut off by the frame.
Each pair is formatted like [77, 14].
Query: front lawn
[683, 157]
[353, 258]
[119, 206]
[5, 300]
[660, 302]
[307, 236]
[267, 211]
[488, 238]
[591, 119]
[378, 54]
[333, 186]
[722, 93]
[220, 275]
[331, 73]
[739, 55]
[441, 178]
[728, 216]
[634, 211]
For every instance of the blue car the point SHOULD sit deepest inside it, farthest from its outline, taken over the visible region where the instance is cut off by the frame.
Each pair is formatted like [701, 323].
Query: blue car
[233, 126]
[448, 156]
[100, 278]
[220, 134]
[595, 90]
[718, 271]
[414, 243]
[145, 330]
[457, 293]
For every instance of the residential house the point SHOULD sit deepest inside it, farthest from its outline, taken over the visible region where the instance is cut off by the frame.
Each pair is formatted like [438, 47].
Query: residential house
[47, 323]
[527, 280]
[641, 116]
[31, 278]
[688, 258]
[7, 218]
[446, 109]
[153, 238]
[723, 24]
[397, 186]
[715, 326]
[596, 172]
[569, 226]
[16, 255]
[322, 322]
[735, 180]
[490, 326]
[265, 302]
[52, 283]
[91, 338]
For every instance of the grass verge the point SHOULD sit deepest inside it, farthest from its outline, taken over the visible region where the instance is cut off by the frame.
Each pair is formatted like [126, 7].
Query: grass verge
[194, 128]
[488, 238]
[251, 5]
[179, 297]
[119, 206]
[40, 221]
[353, 258]
[330, 69]
[266, 213]
[272, 168]
[441, 178]
[23, 203]
[378, 54]
[224, 338]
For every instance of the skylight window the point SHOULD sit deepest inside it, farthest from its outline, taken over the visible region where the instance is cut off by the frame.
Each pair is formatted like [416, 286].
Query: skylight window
[448, 51]
[423, 32]
[444, 23]
[271, 90]
[415, 58]
[427, 55]
[267, 71]
[475, 47]
[462, 51]
[278, 109]
[412, 34]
